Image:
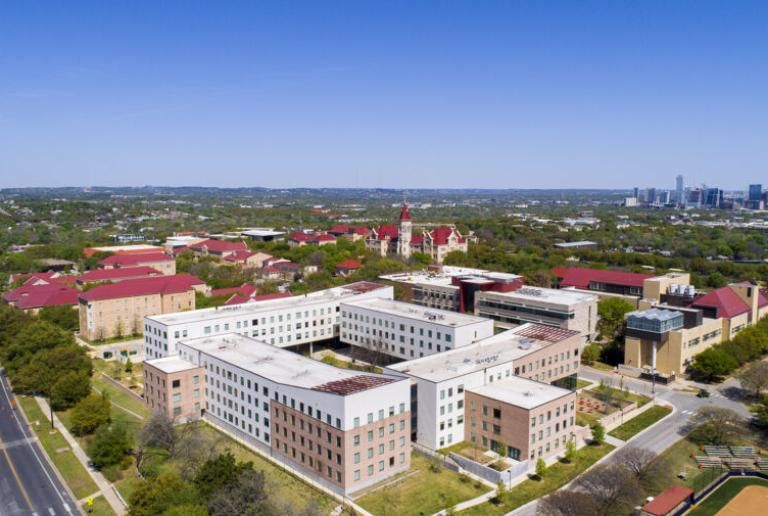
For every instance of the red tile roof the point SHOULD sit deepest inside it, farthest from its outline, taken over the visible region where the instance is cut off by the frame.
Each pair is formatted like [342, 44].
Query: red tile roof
[441, 234]
[122, 260]
[352, 385]
[580, 277]
[245, 289]
[142, 287]
[667, 501]
[300, 236]
[349, 264]
[239, 299]
[342, 229]
[386, 231]
[116, 274]
[724, 300]
[48, 276]
[219, 246]
[404, 213]
[39, 296]
[239, 256]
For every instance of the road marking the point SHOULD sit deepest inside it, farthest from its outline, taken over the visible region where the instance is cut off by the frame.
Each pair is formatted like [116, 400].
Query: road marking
[24, 493]
[17, 442]
[51, 511]
[34, 450]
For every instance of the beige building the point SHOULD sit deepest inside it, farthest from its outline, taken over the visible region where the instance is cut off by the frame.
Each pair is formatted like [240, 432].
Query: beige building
[118, 309]
[176, 387]
[666, 336]
[523, 418]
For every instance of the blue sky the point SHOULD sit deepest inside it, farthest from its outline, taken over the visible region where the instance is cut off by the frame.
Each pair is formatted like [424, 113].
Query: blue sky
[412, 94]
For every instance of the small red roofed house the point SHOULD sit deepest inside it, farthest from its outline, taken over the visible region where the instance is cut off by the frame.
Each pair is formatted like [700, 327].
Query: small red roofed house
[670, 501]
[118, 309]
[218, 248]
[347, 267]
[248, 258]
[159, 261]
[300, 238]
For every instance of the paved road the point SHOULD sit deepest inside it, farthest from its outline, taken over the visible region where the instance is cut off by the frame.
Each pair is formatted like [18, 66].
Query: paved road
[672, 428]
[27, 483]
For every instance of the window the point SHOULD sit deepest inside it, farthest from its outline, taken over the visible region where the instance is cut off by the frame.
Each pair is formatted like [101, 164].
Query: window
[176, 384]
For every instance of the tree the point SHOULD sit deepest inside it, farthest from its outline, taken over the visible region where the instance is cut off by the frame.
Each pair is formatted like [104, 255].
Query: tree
[166, 495]
[157, 435]
[128, 365]
[598, 433]
[649, 469]
[605, 392]
[541, 467]
[90, 413]
[70, 388]
[755, 378]
[217, 473]
[245, 495]
[570, 450]
[111, 443]
[62, 316]
[713, 363]
[716, 426]
[590, 354]
[613, 489]
[612, 311]
[566, 503]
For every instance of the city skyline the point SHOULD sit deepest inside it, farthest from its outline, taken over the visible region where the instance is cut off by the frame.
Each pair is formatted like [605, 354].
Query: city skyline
[560, 95]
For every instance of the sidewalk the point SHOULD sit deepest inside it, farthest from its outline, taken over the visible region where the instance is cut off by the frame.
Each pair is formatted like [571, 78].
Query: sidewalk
[106, 488]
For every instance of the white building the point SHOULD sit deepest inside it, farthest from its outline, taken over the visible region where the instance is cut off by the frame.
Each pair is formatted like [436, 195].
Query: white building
[281, 322]
[405, 330]
[346, 429]
[565, 309]
[532, 351]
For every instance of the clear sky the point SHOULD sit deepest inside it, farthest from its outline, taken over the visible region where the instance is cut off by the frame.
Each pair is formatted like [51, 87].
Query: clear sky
[514, 94]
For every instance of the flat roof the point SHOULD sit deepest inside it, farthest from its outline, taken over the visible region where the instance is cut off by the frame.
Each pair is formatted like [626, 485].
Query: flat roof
[262, 232]
[549, 295]
[501, 348]
[418, 312]
[250, 309]
[172, 364]
[283, 366]
[445, 277]
[657, 314]
[520, 392]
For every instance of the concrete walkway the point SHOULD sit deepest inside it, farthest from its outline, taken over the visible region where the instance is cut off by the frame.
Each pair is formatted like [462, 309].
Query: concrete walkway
[106, 488]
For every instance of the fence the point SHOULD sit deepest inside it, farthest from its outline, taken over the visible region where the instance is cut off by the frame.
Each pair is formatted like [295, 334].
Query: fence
[490, 474]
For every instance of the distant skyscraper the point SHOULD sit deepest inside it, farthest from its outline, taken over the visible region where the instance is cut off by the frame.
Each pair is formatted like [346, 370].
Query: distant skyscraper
[636, 192]
[679, 195]
[755, 192]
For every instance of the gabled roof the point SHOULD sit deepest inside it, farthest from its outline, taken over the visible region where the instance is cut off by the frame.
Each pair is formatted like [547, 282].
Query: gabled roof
[39, 296]
[117, 274]
[40, 275]
[300, 236]
[724, 300]
[386, 231]
[122, 260]
[580, 277]
[143, 287]
[343, 229]
[246, 289]
[440, 235]
[667, 501]
[219, 246]
[239, 256]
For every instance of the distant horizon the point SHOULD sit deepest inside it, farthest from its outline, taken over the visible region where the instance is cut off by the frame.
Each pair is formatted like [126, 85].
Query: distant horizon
[537, 95]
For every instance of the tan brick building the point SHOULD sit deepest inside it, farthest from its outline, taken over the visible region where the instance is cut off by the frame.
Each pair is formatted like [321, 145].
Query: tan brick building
[119, 309]
[176, 387]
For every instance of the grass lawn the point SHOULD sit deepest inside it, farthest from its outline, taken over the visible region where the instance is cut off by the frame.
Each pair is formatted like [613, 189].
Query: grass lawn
[724, 494]
[582, 383]
[556, 477]
[118, 396]
[420, 491]
[601, 366]
[74, 474]
[466, 449]
[100, 507]
[280, 483]
[640, 422]
[586, 419]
